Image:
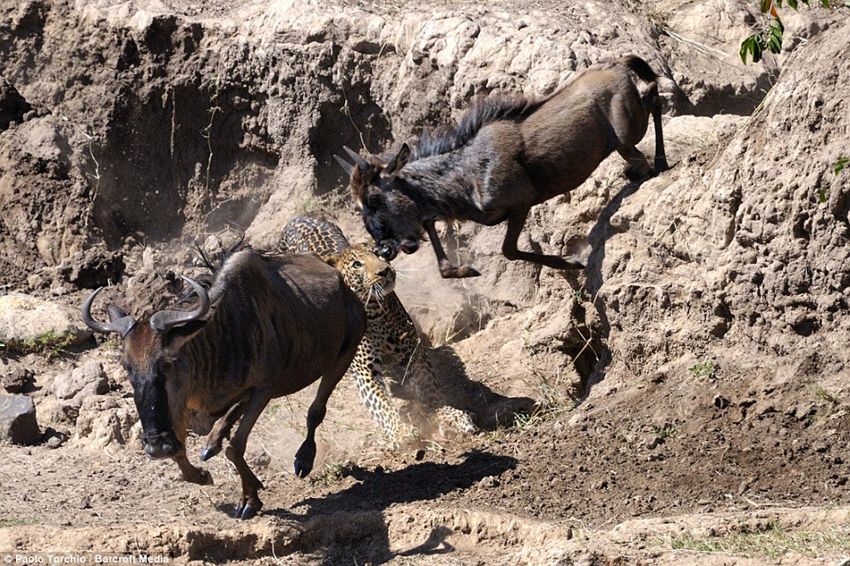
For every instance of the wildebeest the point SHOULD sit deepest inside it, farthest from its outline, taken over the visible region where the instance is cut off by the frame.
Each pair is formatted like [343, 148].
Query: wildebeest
[267, 327]
[505, 156]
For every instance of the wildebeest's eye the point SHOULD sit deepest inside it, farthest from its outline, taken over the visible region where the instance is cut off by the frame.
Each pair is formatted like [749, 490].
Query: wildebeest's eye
[356, 264]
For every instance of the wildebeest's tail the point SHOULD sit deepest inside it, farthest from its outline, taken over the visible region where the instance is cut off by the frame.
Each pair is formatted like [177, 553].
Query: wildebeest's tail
[641, 68]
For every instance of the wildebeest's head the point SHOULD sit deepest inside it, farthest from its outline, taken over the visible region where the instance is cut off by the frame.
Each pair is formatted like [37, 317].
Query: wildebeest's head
[150, 350]
[392, 218]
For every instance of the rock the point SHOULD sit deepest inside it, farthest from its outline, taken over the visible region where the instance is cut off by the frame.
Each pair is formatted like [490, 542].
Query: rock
[107, 422]
[85, 381]
[14, 376]
[27, 322]
[18, 424]
[56, 412]
[93, 267]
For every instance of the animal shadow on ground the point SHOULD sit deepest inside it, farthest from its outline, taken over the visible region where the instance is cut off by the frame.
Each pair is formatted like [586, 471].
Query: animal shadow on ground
[598, 238]
[366, 533]
[490, 409]
[378, 489]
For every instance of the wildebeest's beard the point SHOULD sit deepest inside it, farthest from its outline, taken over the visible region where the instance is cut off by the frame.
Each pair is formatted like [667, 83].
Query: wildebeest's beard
[151, 397]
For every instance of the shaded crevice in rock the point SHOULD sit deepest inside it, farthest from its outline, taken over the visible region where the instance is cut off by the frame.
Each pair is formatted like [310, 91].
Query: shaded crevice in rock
[167, 151]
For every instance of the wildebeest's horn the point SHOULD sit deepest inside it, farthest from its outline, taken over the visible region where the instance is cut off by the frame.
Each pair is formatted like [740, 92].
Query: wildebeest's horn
[356, 157]
[163, 320]
[122, 325]
[345, 164]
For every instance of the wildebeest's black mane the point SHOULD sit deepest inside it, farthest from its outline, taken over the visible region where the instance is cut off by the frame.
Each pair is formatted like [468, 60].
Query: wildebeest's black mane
[482, 112]
[214, 264]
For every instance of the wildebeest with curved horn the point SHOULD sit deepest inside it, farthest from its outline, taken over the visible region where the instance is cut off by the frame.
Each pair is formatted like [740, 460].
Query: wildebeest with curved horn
[505, 156]
[267, 327]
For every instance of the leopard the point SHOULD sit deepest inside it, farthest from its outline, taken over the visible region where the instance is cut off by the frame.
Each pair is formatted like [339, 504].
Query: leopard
[391, 342]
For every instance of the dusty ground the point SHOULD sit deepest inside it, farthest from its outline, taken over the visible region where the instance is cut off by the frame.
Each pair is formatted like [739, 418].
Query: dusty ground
[691, 387]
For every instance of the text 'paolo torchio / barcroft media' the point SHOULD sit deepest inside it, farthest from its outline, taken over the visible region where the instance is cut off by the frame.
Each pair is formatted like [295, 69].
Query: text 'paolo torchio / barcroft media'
[47, 558]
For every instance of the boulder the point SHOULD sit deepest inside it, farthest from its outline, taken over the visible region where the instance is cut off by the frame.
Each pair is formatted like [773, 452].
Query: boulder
[84, 381]
[93, 267]
[56, 412]
[14, 376]
[18, 424]
[28, 322]
[108, 421]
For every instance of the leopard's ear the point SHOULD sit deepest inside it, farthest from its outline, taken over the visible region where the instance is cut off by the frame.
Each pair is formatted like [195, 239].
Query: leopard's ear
[332, 260]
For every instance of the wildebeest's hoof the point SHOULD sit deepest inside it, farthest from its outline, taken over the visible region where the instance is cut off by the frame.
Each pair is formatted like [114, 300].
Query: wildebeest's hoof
[247, 508]
[460, 272]
[637, 174]
[208, 451]
[202, 477]
[580, 258]
[304, 459]
[303, 467]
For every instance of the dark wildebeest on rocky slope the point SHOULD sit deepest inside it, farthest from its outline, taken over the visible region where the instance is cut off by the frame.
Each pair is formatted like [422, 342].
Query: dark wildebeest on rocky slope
[268, 327]
[505, 156]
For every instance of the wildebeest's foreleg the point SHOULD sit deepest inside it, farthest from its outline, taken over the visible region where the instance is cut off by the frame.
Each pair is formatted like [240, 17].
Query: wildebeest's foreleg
[250, 503]
[447, 270]
[221, 430]
[516, 221]
[306, 454]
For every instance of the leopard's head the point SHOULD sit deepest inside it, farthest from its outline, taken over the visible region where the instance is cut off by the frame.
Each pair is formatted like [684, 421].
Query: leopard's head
[366, 274]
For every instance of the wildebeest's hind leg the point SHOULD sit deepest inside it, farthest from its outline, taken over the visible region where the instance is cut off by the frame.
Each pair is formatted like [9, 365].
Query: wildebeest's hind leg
[447, 270]
[235, 452]
[660, 156]
[638, 167]
[516, 221]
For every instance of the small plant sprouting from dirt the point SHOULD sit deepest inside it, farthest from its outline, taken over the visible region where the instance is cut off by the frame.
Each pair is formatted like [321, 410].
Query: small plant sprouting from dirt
[773, 542]
[704, 370]
[825, 396]
[50, 344]
[664, 432]
[556, 399]
[333, 473]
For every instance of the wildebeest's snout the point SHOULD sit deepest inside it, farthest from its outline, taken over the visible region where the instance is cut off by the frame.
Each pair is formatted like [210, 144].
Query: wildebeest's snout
[387, 250]
[409, 246]
[162, 445]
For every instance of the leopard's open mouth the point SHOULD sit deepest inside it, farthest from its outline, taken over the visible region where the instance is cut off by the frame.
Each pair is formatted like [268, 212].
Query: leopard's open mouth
[381, 286]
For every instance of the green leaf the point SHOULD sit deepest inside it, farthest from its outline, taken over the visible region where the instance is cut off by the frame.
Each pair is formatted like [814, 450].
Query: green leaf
[793, 3]
[821, 195]
[757, 49]
[840, 165]
[746, 47]
[765, 5]
[824, 3]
